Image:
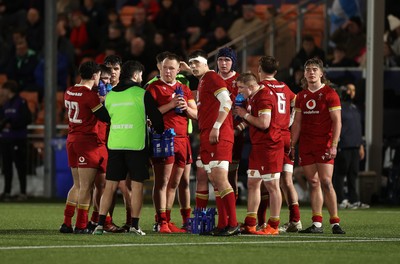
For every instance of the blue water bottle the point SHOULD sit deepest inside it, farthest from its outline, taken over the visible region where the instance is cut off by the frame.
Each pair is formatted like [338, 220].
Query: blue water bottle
[171, 148]
[239, 100]
[156, 141]
[178, 93]
[102, 88]
[108, 87]
[168, 142]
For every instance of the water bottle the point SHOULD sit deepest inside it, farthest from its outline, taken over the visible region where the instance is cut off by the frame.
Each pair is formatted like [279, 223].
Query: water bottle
[239, 100]
[108, 87]
[167, 142]
[102, 88]
[171, 147]
[178, 93]
[156, 141]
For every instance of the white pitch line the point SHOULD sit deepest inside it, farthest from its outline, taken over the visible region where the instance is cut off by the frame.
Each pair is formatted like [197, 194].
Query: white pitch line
[204, 244]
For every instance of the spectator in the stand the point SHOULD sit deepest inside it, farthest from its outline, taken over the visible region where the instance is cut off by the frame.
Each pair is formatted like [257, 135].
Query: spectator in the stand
[228, 11]
[389, 58]
[66, 48]
[339, 58]
[340, 11]
[23, 66]
[14, 118]
[196, 22]
[12, 15]
[78, 36]
[245, 23]
[112, 17]
[308, 51]
[95, 17]
[17, 34]
[34, 30]
[152, 8]
[141, 27]
[141, 50]
[168, 18]
[295, 79]
[114, 37]
[248, 22]
[350, 152]
[110, 49]
[394, 36]
[162, 42]
[351, 35]
[217, 39]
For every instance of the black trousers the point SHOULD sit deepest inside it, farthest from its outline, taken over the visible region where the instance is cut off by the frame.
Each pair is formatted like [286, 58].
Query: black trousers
[346, 166]
[14, 151]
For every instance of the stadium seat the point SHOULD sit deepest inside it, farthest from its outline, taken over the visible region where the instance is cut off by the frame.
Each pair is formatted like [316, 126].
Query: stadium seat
[289, 12]
[314, 22]
[262, 12]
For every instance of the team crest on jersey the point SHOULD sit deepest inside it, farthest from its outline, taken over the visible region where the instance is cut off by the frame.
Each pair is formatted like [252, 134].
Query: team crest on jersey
[262, 168]
[320, 96]
[305, 96]
[212, 154]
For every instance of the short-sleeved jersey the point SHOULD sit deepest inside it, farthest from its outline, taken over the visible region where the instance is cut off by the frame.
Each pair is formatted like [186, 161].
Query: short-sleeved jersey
[80, 103]
[233, 92]
[231, 85]
[285, 100]
[264, 102]
[315, 108]
[163, 94]
[210, 85]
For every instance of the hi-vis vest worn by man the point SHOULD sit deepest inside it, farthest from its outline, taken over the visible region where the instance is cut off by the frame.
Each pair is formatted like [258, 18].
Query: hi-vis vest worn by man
[128, 126]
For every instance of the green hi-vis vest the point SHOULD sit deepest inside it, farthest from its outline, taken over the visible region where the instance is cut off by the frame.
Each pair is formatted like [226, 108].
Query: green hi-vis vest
[128, 119]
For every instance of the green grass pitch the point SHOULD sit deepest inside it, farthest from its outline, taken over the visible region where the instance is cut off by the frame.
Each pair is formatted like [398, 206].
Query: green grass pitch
[29, 234]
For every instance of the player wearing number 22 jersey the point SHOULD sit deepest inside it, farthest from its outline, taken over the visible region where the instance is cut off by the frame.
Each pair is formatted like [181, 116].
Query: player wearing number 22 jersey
[81, 102]
[84, 159]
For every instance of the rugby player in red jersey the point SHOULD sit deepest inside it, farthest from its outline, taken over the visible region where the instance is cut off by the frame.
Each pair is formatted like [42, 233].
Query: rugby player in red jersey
[317, 125]
[168, 171]
[216, 139]
[226, 66]
[266, 156]
[84, 109]
[268, 67]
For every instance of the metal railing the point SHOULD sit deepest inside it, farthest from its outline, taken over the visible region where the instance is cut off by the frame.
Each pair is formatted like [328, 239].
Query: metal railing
[268, 28]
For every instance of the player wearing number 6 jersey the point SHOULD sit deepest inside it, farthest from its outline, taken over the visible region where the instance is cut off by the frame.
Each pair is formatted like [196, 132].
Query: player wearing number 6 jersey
[84, 110]
[268, 67]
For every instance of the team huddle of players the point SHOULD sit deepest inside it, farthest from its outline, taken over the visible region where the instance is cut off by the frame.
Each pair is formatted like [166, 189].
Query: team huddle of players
[276, 119]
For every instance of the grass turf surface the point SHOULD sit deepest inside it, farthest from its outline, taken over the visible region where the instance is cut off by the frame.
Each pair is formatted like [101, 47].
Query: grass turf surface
[29, 234]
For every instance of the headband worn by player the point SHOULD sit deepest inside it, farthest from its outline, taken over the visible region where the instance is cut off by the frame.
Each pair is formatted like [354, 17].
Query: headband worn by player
[199, 59]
